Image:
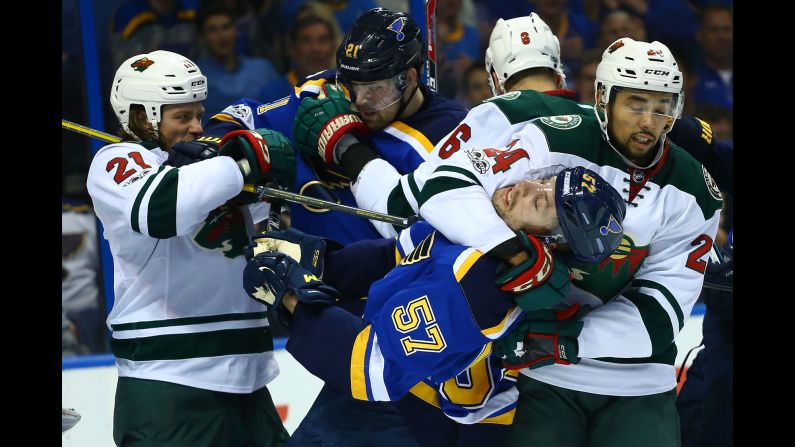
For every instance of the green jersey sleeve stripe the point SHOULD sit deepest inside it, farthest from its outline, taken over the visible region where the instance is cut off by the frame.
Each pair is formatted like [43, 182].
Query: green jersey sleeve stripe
[188, 320]
[413, 185]
[458, 170]
[667, 356]
[194, 345]
[162, 213]
[667, 294]
[139, 198]
[655, 318]
[439, 185]
[398, 205]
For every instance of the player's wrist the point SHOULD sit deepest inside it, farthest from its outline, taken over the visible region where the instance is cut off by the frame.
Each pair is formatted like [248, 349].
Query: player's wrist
[342, 146]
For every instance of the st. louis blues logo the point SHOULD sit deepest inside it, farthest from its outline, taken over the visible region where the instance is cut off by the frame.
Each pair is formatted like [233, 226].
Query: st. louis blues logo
[397, 27]
[612, 227]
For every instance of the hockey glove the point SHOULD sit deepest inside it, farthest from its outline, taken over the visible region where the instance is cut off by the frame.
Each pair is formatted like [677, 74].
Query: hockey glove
[263, 155]
[532, 272]
[309, 251]
[269, 275]
[321, 123]
[544, 337]
[189, 152]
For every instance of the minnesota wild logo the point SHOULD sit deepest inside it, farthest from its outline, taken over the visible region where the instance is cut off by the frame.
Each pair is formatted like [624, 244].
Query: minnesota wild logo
[224, 230]
[142, 64]
[562, 121]
[607, 278]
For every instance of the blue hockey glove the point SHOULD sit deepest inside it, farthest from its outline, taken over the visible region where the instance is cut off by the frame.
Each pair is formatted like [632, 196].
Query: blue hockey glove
[189, 152]
[544, 337]
[269, 275]
[309, 251]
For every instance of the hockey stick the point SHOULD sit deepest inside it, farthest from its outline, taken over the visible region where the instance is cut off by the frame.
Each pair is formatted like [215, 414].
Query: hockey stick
[84, 130]
[430, 26]
[263, 191]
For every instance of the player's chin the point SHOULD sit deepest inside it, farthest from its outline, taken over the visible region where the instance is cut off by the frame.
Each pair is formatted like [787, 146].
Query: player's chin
[373, 121]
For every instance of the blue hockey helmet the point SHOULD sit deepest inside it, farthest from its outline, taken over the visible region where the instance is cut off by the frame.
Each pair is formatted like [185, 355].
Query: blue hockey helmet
[590, 212]
[381, 44]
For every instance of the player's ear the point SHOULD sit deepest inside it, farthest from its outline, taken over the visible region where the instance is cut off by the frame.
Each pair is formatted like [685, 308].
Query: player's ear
[411, 76]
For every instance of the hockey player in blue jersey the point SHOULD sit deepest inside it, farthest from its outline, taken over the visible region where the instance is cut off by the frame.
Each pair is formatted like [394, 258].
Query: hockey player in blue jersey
[437, 312]
[382, 53]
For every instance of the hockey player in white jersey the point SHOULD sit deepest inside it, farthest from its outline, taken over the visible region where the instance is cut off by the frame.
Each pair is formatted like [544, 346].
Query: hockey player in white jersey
[622, 389]
[193, 352]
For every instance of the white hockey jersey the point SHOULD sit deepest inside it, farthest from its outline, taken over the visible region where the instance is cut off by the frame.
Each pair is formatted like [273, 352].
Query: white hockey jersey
[379, 187]
[181, 314]
[643, 291]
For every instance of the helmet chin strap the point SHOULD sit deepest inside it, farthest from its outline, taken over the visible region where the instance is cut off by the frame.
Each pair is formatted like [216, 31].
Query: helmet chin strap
[404, 104]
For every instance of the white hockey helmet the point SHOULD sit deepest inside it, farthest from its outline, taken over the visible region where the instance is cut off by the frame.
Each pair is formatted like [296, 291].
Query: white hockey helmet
[519, 44]
[153, 80]
[639, 65]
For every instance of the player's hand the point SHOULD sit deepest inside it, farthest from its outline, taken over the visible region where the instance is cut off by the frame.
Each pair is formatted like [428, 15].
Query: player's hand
[263, 155]
[544, 337]
[321, 123]
[189, 152]
[309, 251]
[269, 275]
[540, 279]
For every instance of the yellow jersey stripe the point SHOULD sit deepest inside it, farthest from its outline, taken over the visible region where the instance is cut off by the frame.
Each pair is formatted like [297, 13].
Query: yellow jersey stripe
[426, 393]
[398, 258]
[483, 354]
[224, 117]
[265, 107]
[503, 419]
[468, 263]
[146, 16]
[418, 136]
[509, 318]
[358, 380]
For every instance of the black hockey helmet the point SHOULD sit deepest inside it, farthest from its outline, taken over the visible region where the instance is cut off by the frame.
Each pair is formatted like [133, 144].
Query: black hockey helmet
[381, 44]
[590, 212]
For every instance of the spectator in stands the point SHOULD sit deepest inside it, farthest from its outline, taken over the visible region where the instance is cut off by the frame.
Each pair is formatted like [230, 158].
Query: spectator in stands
[82, 313]
[458, 45]
[261, 32]
[312, 48]
[585, 75]
[140, 26]
[234, 74]
[574, 31]
[474, 86]
[345, 11]
[619, 23]
[715, 70]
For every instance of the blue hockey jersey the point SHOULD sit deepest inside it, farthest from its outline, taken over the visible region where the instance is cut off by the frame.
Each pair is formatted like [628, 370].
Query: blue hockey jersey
[404, 144]
[427, 329]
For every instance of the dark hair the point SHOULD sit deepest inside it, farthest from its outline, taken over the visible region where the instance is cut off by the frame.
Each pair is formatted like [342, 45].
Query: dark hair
[592, 56]
[307, 22]
[212, 8]
[707, 10]
[474, 66]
